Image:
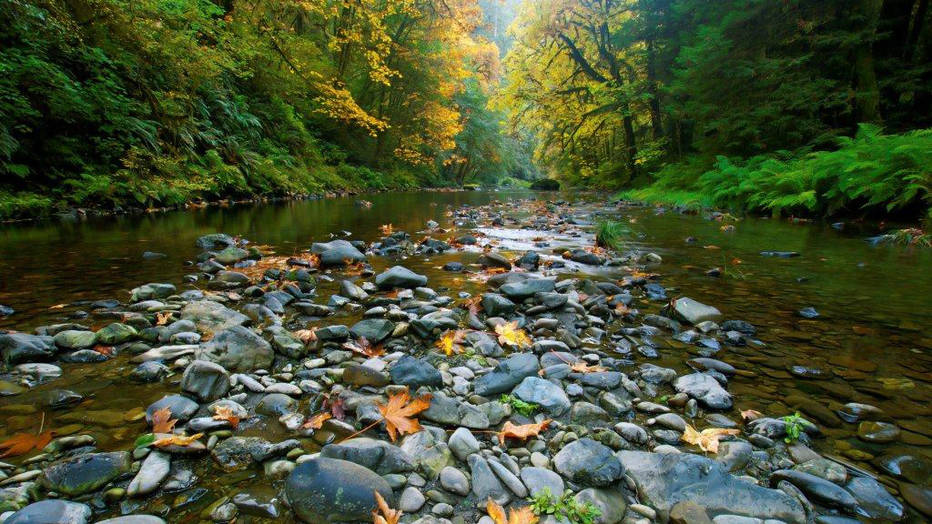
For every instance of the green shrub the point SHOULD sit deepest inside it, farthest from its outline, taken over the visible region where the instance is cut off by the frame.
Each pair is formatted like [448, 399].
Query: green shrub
[545, 184]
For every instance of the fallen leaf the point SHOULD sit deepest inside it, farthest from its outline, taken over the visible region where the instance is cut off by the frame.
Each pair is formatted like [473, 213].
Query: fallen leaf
[162, 421]
[226, 413]
[306, 335]
[707, 440]
[387, 229]
[522, 432]
[317, 421]
[364, 347]
[177, 440]
[523, 515]
[582, 367]
[22, 443]
[399, 413]
[388, 516]
[751, 414]
[103, 350]
[335, 406]
[58, 306]
[510, 334]
[449, 342]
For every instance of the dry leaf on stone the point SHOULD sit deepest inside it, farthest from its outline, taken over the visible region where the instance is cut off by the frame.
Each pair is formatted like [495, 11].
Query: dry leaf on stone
[523, 515]
[707, 440]
[388, 515]
[177, 440]
[162, 421]
[522, 432]
[449, 342]
[582, 367]
[306, 335]
[510, 334]
[226, 413]
[751, 414]
[399, 413]
[317, 421]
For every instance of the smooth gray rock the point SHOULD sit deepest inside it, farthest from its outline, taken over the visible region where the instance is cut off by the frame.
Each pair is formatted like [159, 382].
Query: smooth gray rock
[51, 512]
[588, 463]
[414, 372]
[463, 443]
[337, 253]
[153, 471]
[375, 330]
[16, 348]
[663, 479]
[507, 374]
[692, 311]
[539, 479]
[400, 276]
[324, 490]
[238, 349]
[212, 317]
[549, 396]
[85, 473]
[377, 455]
[205, 380]
[705, 389]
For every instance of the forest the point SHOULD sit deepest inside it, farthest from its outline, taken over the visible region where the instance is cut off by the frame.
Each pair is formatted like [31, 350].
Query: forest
[811, 107]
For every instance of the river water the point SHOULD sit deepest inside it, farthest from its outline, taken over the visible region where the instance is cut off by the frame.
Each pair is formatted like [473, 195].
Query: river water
[870, 344]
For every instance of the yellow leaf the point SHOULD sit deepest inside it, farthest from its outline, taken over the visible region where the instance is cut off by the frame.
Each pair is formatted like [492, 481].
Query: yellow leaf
[524, 515]
[707, 440]
[449, 342]
[510, 334]
[177, 440]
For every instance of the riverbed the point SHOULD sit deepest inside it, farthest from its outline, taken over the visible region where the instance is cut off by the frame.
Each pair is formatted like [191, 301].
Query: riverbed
[868, 342]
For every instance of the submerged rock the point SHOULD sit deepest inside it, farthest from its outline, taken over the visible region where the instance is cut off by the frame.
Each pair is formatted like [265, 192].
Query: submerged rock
[325, 490]
[85, 473]
[51, 512]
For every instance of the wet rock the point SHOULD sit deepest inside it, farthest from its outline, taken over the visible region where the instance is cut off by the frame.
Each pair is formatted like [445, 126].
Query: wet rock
[549, 396]
[463, 443]
[358, 375]
[237, 453]
[817, 489]
[495, 305]
[237, 349]
[75, 339]
[824, 468]
[375, 330]
[485, 484]
[149, 372]
[205, 380]
[449, 411]
[705, 389]
[853, 412]
[411, 500]
[231, 255]
[85, 473]
[215, 241]
[526, 288]
[454, 267]
[334, 332]
[16, 348]
[428, 450]
[212, 317]
[878, 432]
[379, 456]
[61, 398]
[874, 501]
[276, 405]
[779, 254]
[337, 253]
[913, 468]
[414, 372]
[182, 408]
[808, 312]
[692, 311]
[38, 371]
[400, 276]
[153, 471]
[116, 333]
[51, 512]
[663, 480]
[454, 481]
[588, 463]
[507, 374]
[687, 512]
[133, 519]
[152, 291]
[539, 479]
[494, 260]
[6, 311]
[919, 497]
[323, 490]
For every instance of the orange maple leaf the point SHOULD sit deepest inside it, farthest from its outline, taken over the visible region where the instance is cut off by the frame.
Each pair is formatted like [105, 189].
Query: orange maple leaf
[162, 318]
[22, 443]
[522, 432]
[399, 413]
[317, 421]
[388, 516]
[226, 413]
[306, 335]
[162, 421]
[524, 515]
[177, 440]
[364, 347]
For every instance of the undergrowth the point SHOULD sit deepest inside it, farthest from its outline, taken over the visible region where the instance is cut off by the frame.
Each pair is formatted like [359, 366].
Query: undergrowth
[564, 507]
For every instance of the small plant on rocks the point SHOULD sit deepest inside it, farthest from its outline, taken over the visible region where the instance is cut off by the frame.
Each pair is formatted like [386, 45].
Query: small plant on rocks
[794, 427]
[564, 507]
[525, 408]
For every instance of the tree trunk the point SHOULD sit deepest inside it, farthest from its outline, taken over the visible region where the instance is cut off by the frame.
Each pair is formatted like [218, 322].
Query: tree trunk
[656, 124]
[909, 52]
[867, 100]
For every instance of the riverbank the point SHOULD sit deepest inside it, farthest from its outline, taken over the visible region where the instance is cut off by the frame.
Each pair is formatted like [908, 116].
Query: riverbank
[503, 313]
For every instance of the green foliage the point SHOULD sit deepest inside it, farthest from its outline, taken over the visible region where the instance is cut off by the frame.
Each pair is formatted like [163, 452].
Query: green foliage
[908, 237]
[525, 408]
[794, 427]
[546, 184]
[871, 171]
[564, 507]
[611, 234]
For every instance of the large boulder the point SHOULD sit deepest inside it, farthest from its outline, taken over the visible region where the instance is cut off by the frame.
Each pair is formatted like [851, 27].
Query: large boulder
[588, 463]
[51, 512]
[400, 276]
[691, 311]
[705, 389]
[324, 490]
[212, 317]
[507, 374]
[237, 349]
[377, 455]
[664, 479]
[205, 380]
[20, 347]
[337, 253]
[85, 473]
